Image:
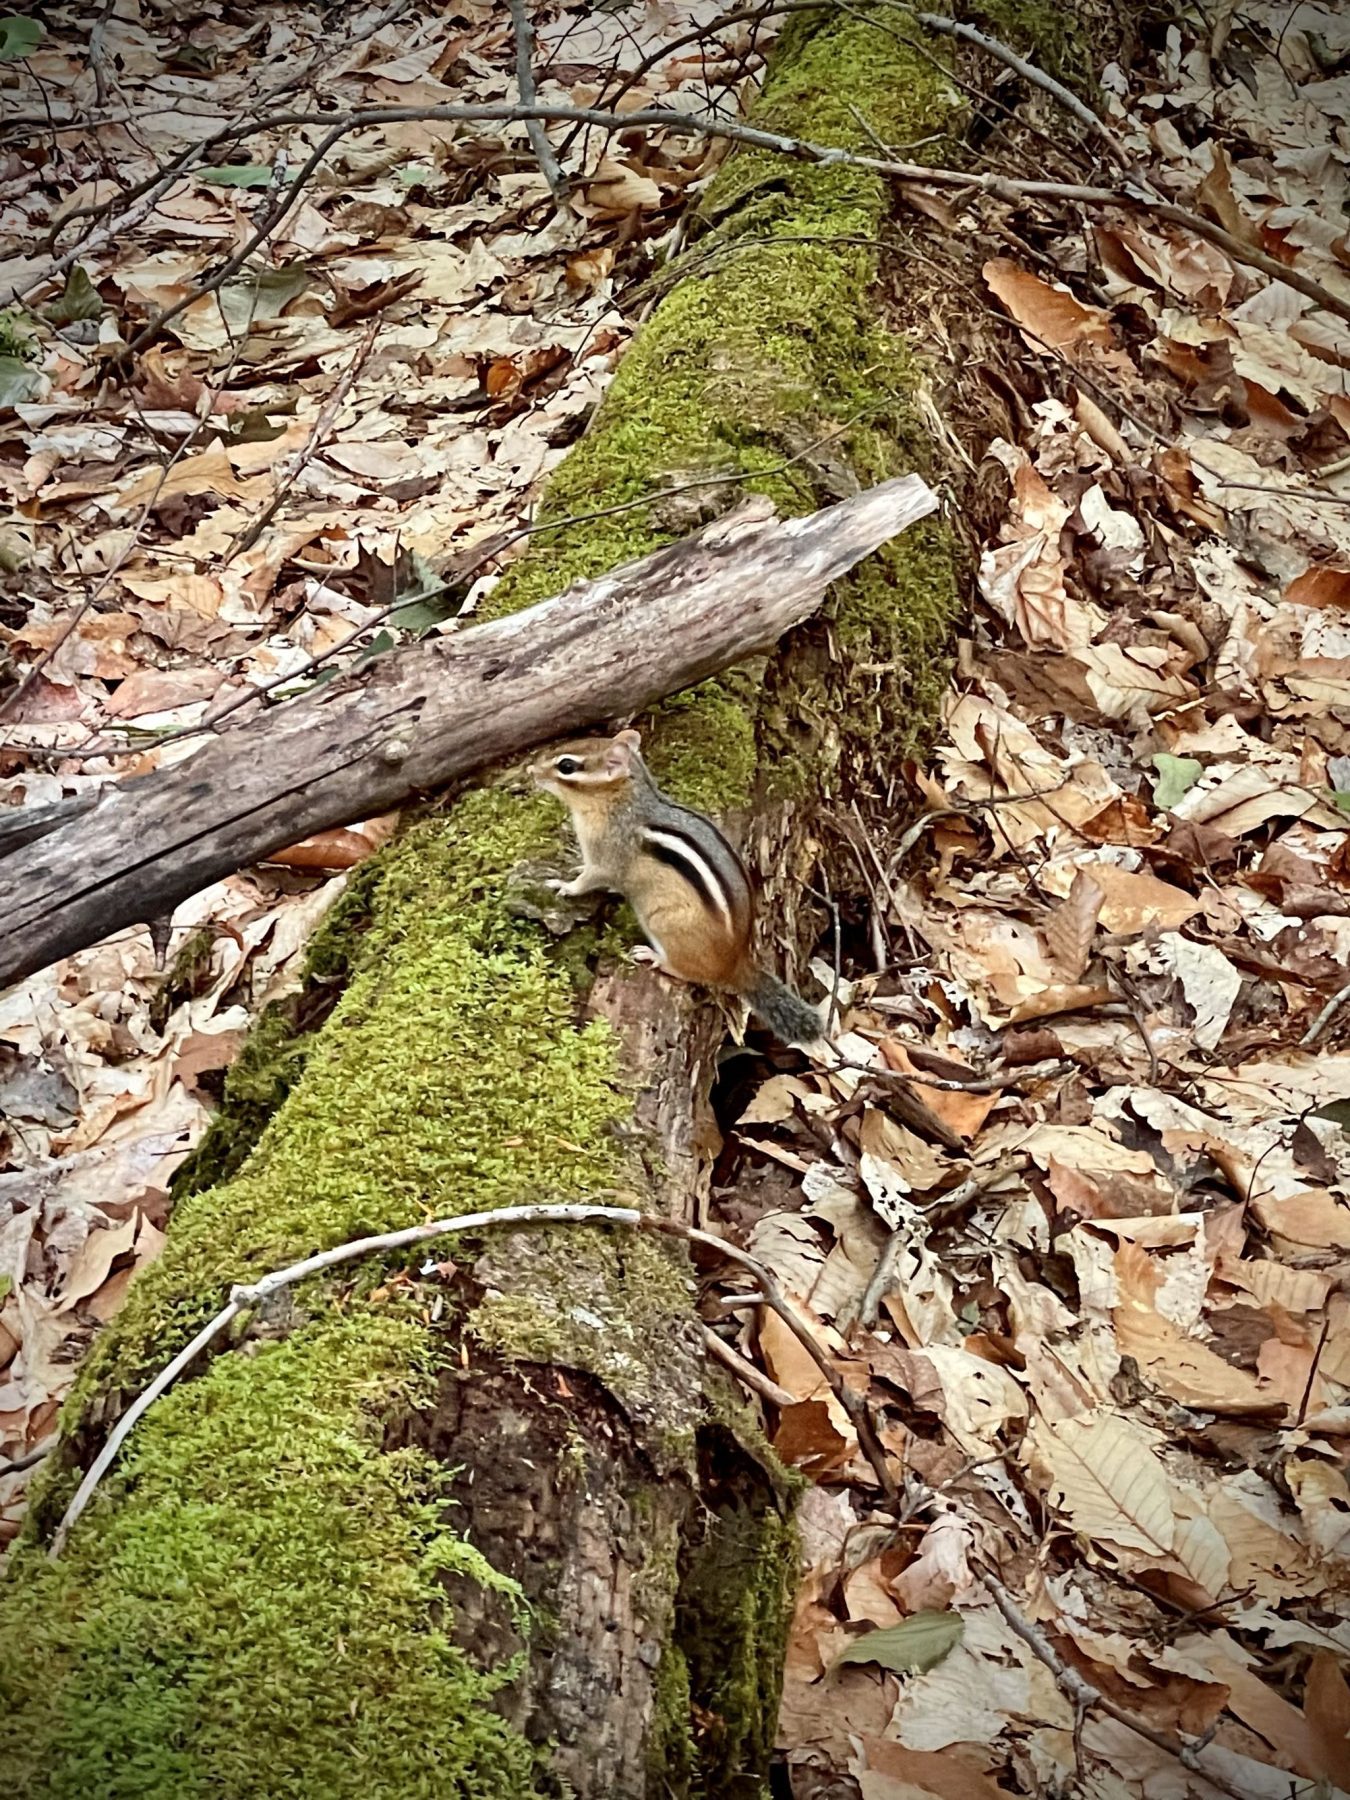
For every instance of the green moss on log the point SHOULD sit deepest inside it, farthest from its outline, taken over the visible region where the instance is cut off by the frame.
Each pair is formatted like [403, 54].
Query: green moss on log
[767, 353]
[256, 1606]
[450, 1078]
[1057, 38]
[734, 1606]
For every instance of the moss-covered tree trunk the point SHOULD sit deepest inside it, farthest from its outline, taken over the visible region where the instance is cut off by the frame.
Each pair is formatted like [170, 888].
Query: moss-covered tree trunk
[501, 1532]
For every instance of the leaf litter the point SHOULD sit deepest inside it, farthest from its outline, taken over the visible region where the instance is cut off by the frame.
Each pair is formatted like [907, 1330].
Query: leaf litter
[1106, 1345]
[1108, 1352]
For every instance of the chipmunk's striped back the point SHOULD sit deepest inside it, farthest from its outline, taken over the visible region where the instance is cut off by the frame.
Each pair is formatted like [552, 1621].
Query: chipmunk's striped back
[685, 882]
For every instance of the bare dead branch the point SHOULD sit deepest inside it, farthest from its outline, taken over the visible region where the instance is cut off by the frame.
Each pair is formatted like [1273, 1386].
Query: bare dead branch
[295, 465]
[549, 166]
[1084, 1696]
[456, 572]
[433, 712]
[749, 1374]
[956, 28]
[250, 1294]
[1129, 194]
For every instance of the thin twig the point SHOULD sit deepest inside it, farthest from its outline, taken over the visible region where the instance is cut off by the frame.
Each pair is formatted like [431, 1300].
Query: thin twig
[955, 28]
[978, 1084]
[1312, 1369]
[1324, 1018]
[1129, 194]
[296, 465]
[880, 1283]
[855, 1405]
[1081, 1693]
[912, 833]
[679, 124]
[249, 1294]
[97, 60]
[746, 1372]
[701, 36]
[28, 1461]
[543, 151]
[1136, 1006]
[126, 1424]
[276, 212]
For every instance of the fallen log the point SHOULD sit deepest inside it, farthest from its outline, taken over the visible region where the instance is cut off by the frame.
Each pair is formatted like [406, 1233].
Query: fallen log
[426, 715]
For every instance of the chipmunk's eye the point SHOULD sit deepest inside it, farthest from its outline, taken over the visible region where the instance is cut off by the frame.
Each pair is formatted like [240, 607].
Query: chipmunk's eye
[567, 765]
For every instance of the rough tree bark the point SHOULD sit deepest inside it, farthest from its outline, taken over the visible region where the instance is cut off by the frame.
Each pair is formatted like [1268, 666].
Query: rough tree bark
[501, 1531]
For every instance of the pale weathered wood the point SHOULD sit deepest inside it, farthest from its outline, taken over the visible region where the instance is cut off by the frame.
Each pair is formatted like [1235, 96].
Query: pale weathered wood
[421, 717]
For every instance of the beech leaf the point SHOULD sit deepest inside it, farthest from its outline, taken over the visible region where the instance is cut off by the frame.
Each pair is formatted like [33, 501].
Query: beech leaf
[1176, 775]
[240, 175]
[19, 37]
[914, 1647]
[80, 300]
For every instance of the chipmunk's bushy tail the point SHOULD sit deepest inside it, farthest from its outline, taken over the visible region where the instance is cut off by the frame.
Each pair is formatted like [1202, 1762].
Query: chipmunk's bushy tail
[786, 1014]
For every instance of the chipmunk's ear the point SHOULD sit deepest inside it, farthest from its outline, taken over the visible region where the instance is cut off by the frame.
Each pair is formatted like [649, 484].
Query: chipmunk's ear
[623, 751]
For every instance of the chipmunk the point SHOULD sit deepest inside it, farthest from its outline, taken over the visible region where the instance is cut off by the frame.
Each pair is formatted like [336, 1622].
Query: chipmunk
[682, 878]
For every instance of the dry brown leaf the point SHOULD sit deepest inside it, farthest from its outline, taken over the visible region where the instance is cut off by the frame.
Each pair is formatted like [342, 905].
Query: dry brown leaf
[1248, 797]
[774, 1101]
[162, 691]
[1322, 1496]
[1079, 997]
[865, 1594]
[90, 1267]
[1313, 1217]
[1257, 1704]
[1215, 196]
[888, 1771]
[588, 268]
[1272, 1283]
[204, 1051]
[962, 1113]
[1177, 1364]
[896, 1163]
[1083, 1147]
[1327, 1707]
[1264, 1557]
[617, 188]
[1324, 585]
[1057, 320]
[978, 1398]
[1103, 1472]
[341, 848]
[808, 1438]
[1131, 684]
[208, 472]
[1132, 900]
[1072, 926]
[942, 1569]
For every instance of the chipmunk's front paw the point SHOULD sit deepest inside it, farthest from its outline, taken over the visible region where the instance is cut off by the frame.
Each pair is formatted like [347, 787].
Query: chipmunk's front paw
[569, 890]
[645, 956]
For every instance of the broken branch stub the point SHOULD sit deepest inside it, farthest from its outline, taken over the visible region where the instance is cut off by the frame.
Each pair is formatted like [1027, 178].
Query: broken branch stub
[433, 712]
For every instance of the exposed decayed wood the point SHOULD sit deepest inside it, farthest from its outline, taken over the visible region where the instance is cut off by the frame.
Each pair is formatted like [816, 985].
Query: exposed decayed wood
[432, 713]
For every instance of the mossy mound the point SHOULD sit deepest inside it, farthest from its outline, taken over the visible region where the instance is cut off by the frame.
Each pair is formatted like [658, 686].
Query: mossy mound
[255, 1605]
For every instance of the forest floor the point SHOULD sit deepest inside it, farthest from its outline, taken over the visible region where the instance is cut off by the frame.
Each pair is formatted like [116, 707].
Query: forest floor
[1094, 974]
